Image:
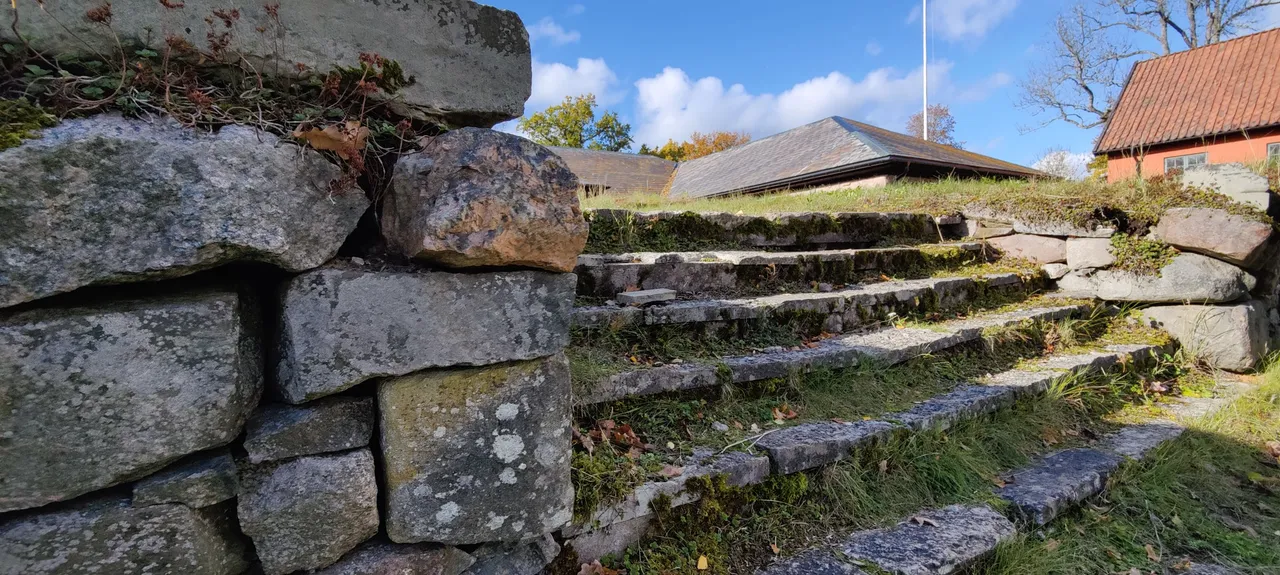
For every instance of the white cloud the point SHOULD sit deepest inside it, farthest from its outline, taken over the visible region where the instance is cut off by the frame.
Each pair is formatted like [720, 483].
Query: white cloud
[672, 105]
[553, 81]
[547, 28]
[873, 48]
[576, 9]
[958, 20]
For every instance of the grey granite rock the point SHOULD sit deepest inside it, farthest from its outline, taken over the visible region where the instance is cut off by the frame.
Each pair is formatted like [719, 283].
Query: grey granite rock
[1056, 228]
[468, 63]
[108, 393]
[1189, 278]
[484, 198]
[1216, 233]
[306, 513]
[198, 481]
[1234, 180]
[1136, 441]
[612, 539]
[816, 562]
[641, 297]
[965, 402]
[341, 327]
[1056, 271]
[1037, 249]
[379, 557]
[1086, 253]
[279, 431]
[1058, 482]
[106, 535]
[811, 445]
[516, 558]
[1233, 337]
[932, 542]
[106, 200]
[477, 455]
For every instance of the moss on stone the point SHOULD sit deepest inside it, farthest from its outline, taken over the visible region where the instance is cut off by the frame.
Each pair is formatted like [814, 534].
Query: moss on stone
[1141, 255]
[21, 120]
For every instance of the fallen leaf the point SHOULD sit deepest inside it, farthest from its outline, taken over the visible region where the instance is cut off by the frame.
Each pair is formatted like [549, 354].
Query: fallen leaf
[1273, 448]
[1052, 545]
[1151, 553]
[774, 547]
[884, 465]
[347, 140]
[670, 471]
[838, 420]
[924, 521]
[737, 425]
[702, 562]
[999, 482]
[784, 412]
[584, 441]
[595, 568]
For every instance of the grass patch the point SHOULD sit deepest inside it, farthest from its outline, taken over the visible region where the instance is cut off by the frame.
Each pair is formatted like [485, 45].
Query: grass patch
[1133, 204]
[1141, 255]
[1211, 496]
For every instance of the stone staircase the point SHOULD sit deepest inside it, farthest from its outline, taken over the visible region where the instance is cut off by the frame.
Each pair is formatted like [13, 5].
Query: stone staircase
[841, 310]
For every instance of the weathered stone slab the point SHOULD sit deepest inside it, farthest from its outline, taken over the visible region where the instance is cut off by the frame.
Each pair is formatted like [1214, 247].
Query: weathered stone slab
[1021, 381]
[641, 297]
[305, 513]
[944, 411]
[527, 558]
[1056, 271]
[99, 395]
[107, 200]
[1190, 277]
[817, 562]
[647, 382]
[379, 557]
[611, 539]
[1215, 233]
[1232, 337]
[1056, 228]
[278, 431]
[198, 481]
[1234, 180]
[938, 541]
[477, 455]
[469, 63]
[812, 445]
[482, 198]
[341, 327]
[107, 535]
[1038, 249]
[1085, 253]
[1136, 441]
[1058, 482]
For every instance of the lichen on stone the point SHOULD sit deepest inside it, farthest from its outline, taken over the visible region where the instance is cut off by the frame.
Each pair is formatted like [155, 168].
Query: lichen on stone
[21, 120]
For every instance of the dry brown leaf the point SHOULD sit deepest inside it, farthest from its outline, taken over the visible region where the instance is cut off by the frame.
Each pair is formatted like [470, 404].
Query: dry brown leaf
[774, 547]
[595, 568]
[584, 440]
[884, 465]
[1151, 553]
[702, 563]
[924, 521]
[669, 471]
[1052, 545]
[1273, 448]
[347, 140]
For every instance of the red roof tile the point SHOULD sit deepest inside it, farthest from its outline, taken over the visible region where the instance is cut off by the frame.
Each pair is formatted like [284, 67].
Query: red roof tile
[1217, 89]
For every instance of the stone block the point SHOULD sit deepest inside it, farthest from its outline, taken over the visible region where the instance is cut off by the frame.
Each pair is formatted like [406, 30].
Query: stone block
[1233, 337]
[1056, 271]
[933, 542]
[1234, 180]
[477, 455]
[198, 481]
[641, 297]
[379, 557]
[1037, 249]
[1216, 233]
[812, 445]
[965, 402]
[1060, 481]
[108, 200]
[279, 431]
[106, 535]
[482, 198]
[612, 539]
[816, 562]
[306, 513]
[1190, 277]
[340, 327]
[102, 394]
[469, 63]
[1084, 253]
[517, 558]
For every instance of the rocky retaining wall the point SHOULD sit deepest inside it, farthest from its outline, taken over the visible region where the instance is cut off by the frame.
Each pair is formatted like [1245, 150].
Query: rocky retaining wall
[195, 377]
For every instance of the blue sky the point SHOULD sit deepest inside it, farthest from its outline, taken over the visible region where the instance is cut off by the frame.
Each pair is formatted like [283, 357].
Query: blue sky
[670, 68]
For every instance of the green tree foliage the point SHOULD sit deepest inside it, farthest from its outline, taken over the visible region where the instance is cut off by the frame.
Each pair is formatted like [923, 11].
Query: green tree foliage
[573, 124]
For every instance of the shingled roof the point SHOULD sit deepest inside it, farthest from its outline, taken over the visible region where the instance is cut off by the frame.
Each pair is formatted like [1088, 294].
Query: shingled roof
[829, 150]
[617, 171]
[1221, 88]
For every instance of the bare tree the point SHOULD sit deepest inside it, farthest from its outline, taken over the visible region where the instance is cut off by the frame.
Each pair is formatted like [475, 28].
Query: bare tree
[942, 126]
[1063, 164]
[1096, 42]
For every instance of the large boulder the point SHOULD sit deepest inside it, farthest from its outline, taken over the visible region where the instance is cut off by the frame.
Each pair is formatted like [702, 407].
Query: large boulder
[477, 455]
[1038, 249]
[480, 198]
[1234, 180]
[1188, 278]
[305, 513]
[1217, 233]
[332, 424]
[103, 394]
[107, 535]
[1229, 337]
[468, 63]
[109, 200]
[341, 327]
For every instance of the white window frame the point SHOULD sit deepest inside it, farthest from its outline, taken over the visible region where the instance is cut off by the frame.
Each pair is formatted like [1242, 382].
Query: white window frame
[1180, 162]
[1273, 151]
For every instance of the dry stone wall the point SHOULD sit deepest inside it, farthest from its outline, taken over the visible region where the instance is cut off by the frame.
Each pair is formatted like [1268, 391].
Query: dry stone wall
[197, 377]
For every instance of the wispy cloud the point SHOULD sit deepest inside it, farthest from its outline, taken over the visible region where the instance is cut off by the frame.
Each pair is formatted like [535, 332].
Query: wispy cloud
[548, 29]
[873, 48]
[964, 20]
[576, 9]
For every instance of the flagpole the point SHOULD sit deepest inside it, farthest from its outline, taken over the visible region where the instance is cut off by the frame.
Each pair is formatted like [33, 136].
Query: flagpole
[924, 33]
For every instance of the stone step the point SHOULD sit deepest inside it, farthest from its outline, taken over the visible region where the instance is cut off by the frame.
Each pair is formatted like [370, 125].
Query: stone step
[606, 275]
[615, 227]
[886, 346]
[839, 310]
[808, 445]
[950, 539]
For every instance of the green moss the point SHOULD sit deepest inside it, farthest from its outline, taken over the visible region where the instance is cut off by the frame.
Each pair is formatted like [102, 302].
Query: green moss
[21, 120]
[1140, 255]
